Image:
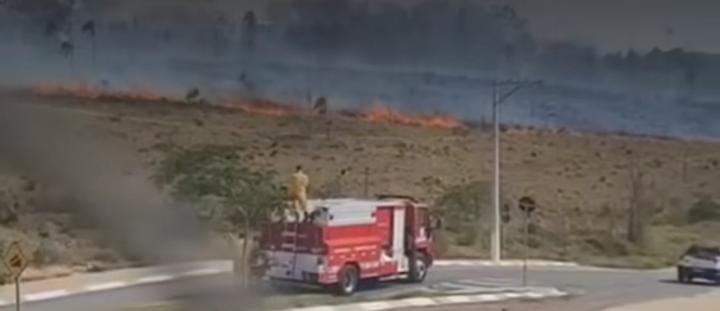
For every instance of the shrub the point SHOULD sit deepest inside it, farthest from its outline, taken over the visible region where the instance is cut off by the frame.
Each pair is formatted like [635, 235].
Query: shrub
[46, 253]
[468, 236]
[463, 208]
[704, 210]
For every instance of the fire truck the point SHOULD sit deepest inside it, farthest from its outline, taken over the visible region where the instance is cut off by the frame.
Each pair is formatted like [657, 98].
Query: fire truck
[347, 241]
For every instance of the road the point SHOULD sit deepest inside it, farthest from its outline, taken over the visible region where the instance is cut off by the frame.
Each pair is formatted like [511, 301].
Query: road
[592, 289]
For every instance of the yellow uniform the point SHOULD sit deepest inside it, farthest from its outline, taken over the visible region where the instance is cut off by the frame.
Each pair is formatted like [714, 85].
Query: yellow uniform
[298, 191]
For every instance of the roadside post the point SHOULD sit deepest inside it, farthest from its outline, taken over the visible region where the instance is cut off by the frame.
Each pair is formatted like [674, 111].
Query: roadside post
[366, 181]
[527, 206]
[506, 218]
[15, 262]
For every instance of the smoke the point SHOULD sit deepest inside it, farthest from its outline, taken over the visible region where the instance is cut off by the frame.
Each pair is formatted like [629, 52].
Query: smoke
[55, 149]
[426, 56]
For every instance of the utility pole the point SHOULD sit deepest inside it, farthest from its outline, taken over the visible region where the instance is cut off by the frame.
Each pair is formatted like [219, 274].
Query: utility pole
[498, 99]
[495, 244]
[366, 181]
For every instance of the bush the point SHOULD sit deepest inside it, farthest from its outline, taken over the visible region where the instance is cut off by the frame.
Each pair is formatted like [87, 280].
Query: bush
[704, 210]
[468, 236]
[47, 252]
[464, 203]
[607, 245]
[463, 208]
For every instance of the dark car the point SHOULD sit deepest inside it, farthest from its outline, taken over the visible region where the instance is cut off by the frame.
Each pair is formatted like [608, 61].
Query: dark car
[699, 262]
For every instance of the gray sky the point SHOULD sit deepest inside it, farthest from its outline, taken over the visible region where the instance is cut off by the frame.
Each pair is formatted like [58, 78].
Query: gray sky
[607, 24]
[624, 24]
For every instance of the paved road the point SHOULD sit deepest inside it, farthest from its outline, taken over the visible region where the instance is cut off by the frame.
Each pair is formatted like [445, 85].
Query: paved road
[593, 289]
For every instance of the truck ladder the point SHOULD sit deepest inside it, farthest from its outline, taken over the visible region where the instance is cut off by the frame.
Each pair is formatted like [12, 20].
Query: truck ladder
[294, 235]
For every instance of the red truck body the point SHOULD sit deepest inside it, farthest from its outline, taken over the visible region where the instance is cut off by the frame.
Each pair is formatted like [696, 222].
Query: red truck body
[349, 240]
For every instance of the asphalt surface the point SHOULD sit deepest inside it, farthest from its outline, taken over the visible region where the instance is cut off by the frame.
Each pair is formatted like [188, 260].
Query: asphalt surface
[591, 289]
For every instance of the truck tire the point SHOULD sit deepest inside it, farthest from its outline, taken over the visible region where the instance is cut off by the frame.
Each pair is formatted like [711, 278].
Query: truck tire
[348, 280]
[418, 271]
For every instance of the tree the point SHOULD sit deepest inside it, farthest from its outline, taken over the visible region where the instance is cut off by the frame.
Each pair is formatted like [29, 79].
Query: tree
[234, 198]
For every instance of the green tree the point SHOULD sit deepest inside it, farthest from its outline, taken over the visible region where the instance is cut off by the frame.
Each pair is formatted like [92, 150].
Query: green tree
[234, 198]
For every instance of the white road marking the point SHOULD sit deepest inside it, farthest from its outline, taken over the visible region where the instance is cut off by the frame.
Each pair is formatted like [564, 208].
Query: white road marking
[424, 301]
[375, 306]
[419, 302]
[46, 295]
[486, 298]
[534, 295]
[320, 308]
[455, 286]
[485, 282]
[155, 279]
[200, 272]
[507, 263]
[512, 295]
[455, 299]
[555, 293]
[105, 286]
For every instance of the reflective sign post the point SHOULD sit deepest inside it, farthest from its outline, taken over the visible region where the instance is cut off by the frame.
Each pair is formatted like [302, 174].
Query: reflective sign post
[17, 294]
[527, 206]
[15, 262]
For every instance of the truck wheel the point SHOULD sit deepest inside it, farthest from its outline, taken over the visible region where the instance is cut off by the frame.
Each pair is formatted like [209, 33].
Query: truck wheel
[419, 271]
[348, 279]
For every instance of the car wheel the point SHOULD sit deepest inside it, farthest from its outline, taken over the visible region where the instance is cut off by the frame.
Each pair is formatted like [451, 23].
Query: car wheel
[420, 271]
[681, 275]
[348, 279]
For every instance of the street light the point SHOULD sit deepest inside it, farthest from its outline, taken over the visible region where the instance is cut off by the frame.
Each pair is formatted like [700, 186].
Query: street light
[498, 99]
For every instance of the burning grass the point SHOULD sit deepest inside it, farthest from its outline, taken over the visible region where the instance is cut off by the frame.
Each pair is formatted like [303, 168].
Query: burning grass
[383, 114]
[264, 107]
[376, 114]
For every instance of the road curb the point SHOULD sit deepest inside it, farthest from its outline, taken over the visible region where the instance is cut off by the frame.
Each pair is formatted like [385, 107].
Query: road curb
[111, 285]
[504, 263]
[417, 302]
[225, 266]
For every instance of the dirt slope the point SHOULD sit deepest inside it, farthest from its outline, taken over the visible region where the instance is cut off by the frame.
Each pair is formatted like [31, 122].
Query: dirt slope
[581, 181]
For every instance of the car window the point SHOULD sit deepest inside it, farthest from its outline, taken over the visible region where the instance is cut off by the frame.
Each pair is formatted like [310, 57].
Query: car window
[703, 252]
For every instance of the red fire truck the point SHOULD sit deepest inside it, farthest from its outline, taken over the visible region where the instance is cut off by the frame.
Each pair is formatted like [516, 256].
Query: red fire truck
[346, 241]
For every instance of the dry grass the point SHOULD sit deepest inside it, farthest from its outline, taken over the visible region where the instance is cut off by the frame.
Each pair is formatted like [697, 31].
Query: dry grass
[581, 181]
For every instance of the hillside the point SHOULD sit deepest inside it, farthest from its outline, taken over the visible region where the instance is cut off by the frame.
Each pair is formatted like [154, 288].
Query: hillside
[582, 181]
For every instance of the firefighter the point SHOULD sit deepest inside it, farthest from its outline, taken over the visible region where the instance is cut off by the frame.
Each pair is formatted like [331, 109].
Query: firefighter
[298, 192]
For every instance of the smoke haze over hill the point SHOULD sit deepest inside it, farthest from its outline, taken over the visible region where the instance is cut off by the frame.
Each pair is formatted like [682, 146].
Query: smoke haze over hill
[425, 56]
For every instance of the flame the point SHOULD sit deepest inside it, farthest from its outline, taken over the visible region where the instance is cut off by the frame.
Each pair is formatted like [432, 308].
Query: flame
[265, 107]
[383, 114]
[377, 114]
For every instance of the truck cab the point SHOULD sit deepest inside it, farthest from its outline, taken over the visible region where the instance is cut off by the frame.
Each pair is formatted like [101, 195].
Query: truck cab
[349, 240]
